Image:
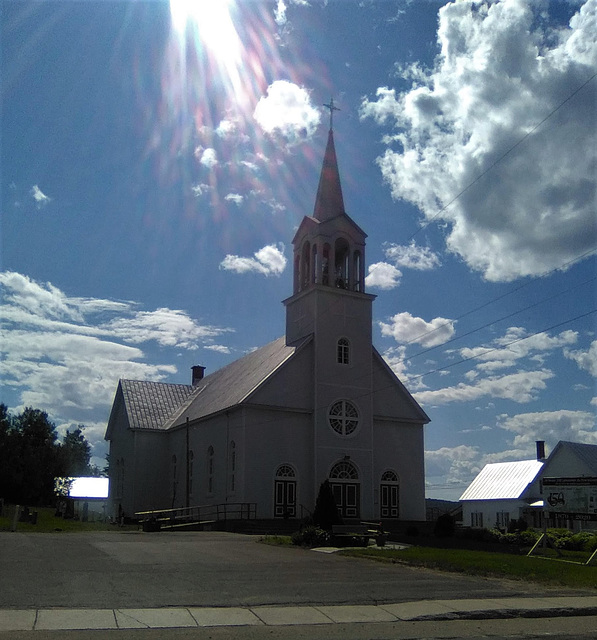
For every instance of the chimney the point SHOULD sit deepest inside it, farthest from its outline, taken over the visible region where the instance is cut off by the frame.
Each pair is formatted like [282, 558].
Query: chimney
[198, 372]
[540, 449]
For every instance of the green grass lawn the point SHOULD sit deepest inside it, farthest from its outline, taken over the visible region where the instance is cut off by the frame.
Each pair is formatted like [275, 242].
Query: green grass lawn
[48, 522]
[486, 563]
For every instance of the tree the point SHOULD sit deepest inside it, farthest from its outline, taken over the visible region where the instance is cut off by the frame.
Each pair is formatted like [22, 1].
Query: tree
[326, 511]
[38, 457]
[75, 453]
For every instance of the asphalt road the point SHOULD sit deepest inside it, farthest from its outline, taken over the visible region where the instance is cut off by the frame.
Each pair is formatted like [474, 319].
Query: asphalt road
[139, 570]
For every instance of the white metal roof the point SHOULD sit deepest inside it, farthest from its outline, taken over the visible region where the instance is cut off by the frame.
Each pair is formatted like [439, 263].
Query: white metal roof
[503, 480]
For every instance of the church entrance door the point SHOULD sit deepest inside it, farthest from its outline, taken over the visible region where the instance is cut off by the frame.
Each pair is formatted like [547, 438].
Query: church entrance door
[285, 492]
[348, 498]
[389, 491]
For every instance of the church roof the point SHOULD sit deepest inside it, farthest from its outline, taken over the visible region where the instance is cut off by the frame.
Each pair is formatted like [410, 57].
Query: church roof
[587, 453]
[503, 480]
[150, 404]
[329, 202]
[160, 405]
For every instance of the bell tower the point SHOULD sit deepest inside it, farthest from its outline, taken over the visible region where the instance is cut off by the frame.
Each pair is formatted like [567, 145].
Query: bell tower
[328, 257]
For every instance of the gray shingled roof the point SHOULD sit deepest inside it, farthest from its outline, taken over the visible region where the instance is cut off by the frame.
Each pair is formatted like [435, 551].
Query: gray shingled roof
[503, 480]
[150, 404]
[159, 405]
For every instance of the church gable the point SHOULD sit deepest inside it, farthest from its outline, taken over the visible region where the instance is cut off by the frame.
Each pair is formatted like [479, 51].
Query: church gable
[391, 399]
[290, 386]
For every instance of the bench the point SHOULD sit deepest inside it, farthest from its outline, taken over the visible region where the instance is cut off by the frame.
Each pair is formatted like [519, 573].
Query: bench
[360, 533]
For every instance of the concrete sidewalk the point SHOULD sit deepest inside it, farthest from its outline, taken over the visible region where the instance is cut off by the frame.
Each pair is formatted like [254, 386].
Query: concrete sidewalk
[276, 616]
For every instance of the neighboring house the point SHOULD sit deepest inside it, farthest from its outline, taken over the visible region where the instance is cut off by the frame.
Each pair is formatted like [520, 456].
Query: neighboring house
[502, 491]
[512, 490]
[318, 403]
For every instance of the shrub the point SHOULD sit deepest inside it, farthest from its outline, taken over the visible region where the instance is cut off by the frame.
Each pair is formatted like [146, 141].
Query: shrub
[326, 511]
[311, 537]
[445, 526]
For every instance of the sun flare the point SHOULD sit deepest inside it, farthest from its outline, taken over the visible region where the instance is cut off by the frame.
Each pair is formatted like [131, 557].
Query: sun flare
[212, 21]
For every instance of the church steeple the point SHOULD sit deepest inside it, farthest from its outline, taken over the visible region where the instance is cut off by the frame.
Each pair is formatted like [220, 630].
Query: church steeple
[329, 202]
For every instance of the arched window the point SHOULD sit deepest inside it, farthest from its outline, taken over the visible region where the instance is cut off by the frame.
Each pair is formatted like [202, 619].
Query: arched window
[389, 492]
[210, 469]
[356, 270]
[285, 492]
[314, 265]
[297, 266]
[343, 417]
[306, 266]
[345, 485]
[191, 457]
[344, 470]
[342, 277]
[343, 351]
[285, 471]
[232, 466]
[325, 265]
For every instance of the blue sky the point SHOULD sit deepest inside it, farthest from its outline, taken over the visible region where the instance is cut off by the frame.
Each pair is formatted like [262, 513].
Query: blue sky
[157, 159]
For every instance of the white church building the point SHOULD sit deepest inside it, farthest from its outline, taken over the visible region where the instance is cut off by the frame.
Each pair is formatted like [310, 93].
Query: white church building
[318, 403]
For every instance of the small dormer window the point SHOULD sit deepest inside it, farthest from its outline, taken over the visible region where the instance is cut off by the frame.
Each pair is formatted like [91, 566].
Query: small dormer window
[343, 351]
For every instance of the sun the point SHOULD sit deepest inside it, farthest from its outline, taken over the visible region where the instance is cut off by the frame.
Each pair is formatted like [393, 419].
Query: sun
[212, 21]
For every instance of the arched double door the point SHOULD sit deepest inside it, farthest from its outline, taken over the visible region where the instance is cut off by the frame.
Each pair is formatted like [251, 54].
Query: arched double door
[285, 492]
[346, 487]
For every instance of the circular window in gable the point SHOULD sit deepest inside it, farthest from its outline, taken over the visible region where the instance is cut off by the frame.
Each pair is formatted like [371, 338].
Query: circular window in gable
[343, 417]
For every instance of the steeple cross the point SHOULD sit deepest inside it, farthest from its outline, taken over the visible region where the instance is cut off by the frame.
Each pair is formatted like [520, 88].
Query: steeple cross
[332, 107]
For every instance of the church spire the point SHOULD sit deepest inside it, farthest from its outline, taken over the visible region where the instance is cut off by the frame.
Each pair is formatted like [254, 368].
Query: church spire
[329, 202]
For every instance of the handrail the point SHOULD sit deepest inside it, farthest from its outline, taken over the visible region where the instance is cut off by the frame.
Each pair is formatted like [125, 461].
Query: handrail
[198, 513]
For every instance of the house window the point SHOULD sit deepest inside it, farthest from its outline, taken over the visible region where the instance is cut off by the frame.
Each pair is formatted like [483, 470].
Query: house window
[477, 519]
[502, 519]
[343, 351]
[210, 470]
[343, 417]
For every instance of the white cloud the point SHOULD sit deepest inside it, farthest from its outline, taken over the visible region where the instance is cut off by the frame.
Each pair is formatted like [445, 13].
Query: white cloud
[41, 199]
[234, 197]
[65, 354]
[269, 260]
[586, 360]
[405, 328]
[517, 344]
[209, 158]
[593, 402]
[226, 129]
[453, 465]
[280, 13]
[200, 189]
[500, 72]
[550, 426]
[287, 111]
[218, 348]
[383, 276]
[518, 387]
[412, 256]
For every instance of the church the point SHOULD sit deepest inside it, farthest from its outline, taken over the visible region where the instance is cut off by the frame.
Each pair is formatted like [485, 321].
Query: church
[268, 429]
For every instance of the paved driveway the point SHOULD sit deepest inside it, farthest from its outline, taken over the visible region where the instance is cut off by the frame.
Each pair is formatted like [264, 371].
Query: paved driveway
[135, 569]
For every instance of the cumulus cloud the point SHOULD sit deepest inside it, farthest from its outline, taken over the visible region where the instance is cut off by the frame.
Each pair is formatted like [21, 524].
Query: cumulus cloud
[405, 328]
[500, 72]
[522, 386]
[270, 260]
[383, 276]
[550, 426]
[586, 360]
[412, 256]
[234, 197]
[200, 189]
[287, 111]
[209, 158]
[454, 465]
[66, 353]
[41, 199]
[516, 344]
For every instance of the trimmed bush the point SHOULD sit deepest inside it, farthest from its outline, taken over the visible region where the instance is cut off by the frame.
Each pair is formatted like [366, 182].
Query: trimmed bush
[311, 537]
